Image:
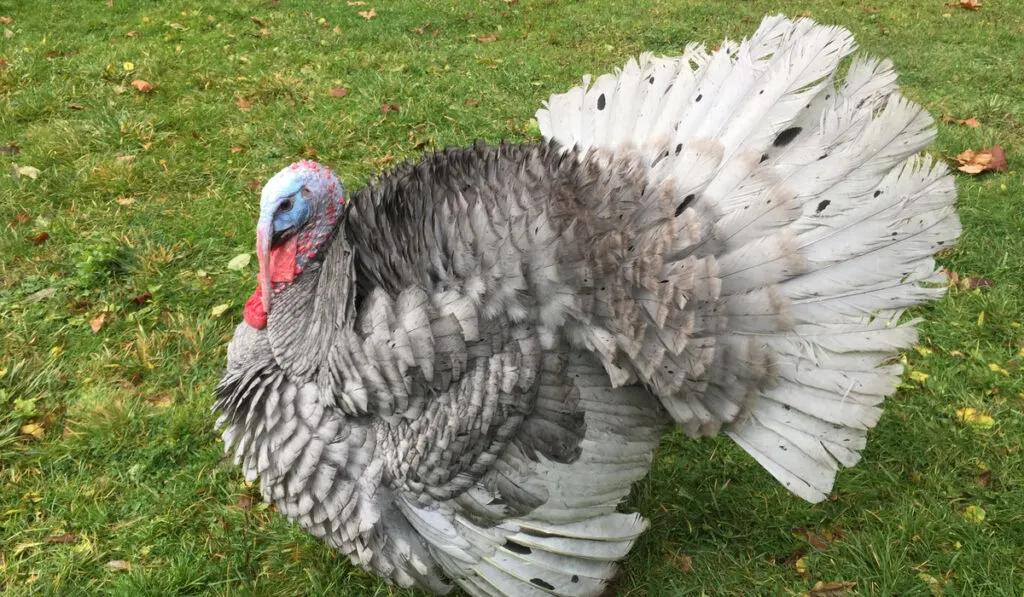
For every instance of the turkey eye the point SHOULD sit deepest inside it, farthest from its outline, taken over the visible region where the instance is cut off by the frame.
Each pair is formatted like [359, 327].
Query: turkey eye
[286, 205]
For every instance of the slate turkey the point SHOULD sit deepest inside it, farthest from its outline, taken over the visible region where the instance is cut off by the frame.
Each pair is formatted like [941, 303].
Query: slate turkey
[455, 374]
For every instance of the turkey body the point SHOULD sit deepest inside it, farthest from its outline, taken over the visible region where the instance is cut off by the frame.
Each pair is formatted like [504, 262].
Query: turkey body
[469, 375]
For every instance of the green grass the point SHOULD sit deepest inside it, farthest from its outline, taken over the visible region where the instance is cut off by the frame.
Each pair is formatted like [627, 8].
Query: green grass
[157, 192]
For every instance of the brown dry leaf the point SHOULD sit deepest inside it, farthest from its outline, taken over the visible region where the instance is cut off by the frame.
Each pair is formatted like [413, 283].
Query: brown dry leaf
[38, 239]
[255, 184]
[243, 104]
[368, 14]
[310, 152]
[682, 562]
[237, 149]
[870, 9]
[244, 501]
[420, 30]
[125, 201]
[385, 108]
[472, 103]
[986, 160]
[965, 4]
[338, 92]
[74, 106]
[161, 400]
[96, 323]
[10, 148]
[118, 566]
[971, 122]
[257, 22]
[141, 299]
[984, 478]
[3, 62]
[33, 430]
[356, 3]
[816, 541]
[831, 589]
[142, 85]
[487, 39]
[132, 34]
[65, 538]
[21, 218]
[123, 159]
[436, 32]
[6, 20]
[962, 282]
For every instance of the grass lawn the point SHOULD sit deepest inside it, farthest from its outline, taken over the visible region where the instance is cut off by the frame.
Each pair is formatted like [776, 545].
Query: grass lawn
[119, 287]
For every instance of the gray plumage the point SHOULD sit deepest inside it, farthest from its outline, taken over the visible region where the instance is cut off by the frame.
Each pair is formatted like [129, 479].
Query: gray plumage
[470, 368]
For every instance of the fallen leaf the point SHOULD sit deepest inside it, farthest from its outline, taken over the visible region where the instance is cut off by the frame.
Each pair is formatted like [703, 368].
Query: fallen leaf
[682, 562]
[472, 103]
[971, 122]
[38, 239]
[28, 172]
[132, 34]
[965, 4]
[831, 589]
[65, 538]
[368, 14]
[125, 201]
[935, 586]
[33, 430]
[973, 514]
[257, 22]
[161, 400]
[236, 149]
[816, 541]
[420, 30]
[244, 501]
[987, 160]
[6, 20]
[974, 418]
[871, 9]
[919, 376]
[984, 478]
[179, 27]
[356, 3]
[338, 92]
[41, 295]
[243, 104]
[142, 86]
[801, 566]
[96, 323]
[219, 310]
[123, 159]
[390, 108]
[141, 299]
[962, 282]
[955, 353]
[10, 148]
[239, 262]
[310, 152]
[74, 106]
[118, 566]
[21, 218]
[487, 39]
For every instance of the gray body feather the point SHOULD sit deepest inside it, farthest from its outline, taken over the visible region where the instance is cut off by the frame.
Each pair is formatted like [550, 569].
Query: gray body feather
[472, 374]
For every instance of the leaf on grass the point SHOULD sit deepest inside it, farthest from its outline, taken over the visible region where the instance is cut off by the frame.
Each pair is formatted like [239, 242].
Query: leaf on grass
[831, 589]
[6, 20]
[161, 400]
[801, 566]
[33, 430]
[385, 108]
[257, 22]
[338, 92]
[28, 172]
[123, 159]
[96, 323]
[935, 586]
[10, 149]
[356, 3]
[816, 541]
[965, 4]
[986, 160]
[65, 538]
[74, 106]
[141, 299]
[219, 310]
[368, 14]
[118, 566]
[178, 27]
[125, 201]
[239, 262]
[984, 478]
[974, 418]
[142, 85]
[21, 218]
[971, 122]
[38, 239]
[682, 562]
[237, 149]
[962, 282]
[132, 34]
[41, 295]
[243, 104]
[974, 514]
[870, 9]
[472, 103]
[487, 39]
[919, 376]
[244, 501]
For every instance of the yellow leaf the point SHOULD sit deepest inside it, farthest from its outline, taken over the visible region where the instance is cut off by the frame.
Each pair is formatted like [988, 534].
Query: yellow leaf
[919, 376]
[935, 586]
[981, 318]
[998, 369]
[128, 66]
[921, 350]
[23, 546]
[801, 566]
[974, 514]
[33, 430]
[161, 400]
[972, 417]
[219, 310]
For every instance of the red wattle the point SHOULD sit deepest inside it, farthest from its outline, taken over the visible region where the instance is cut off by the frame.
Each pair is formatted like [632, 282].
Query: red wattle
[282, 261]
[253, 313]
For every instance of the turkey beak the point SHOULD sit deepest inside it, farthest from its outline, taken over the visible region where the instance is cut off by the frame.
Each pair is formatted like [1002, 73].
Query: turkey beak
[264, 234]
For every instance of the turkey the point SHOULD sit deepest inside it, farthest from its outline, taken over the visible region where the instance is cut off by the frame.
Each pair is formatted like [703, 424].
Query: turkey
[454, 375]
